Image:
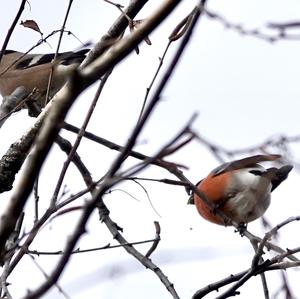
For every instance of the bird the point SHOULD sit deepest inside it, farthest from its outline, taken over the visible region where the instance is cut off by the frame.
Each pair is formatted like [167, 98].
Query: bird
[32, 71]
[239, 191]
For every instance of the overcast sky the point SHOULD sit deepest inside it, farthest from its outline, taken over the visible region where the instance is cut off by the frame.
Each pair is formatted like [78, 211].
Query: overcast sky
[245, 90]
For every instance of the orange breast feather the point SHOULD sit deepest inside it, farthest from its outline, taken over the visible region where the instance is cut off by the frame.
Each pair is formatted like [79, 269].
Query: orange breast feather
[213, 187]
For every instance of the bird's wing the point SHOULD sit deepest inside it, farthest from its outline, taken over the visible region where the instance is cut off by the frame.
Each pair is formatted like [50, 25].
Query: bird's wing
[65, 58]
[243, 163]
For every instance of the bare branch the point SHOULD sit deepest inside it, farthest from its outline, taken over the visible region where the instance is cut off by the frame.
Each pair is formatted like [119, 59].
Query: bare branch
[12, 27]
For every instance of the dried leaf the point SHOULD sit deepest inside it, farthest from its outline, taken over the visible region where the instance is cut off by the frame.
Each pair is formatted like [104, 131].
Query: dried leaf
[181, 28]
[32, 25]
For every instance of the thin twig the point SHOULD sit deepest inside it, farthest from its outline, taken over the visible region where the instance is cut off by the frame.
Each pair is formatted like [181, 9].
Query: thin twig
[57, 49]
[148, 89]
[255, 32]
[78, 251]
[114, 146]
[79, 137]
[12, 27]
[59, 288]
[157, 239]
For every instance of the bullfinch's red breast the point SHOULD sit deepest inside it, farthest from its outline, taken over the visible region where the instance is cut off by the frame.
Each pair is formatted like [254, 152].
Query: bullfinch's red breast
[240, 189]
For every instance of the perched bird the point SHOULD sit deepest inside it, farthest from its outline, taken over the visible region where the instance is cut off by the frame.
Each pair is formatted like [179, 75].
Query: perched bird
[240, 189]
[32, 71]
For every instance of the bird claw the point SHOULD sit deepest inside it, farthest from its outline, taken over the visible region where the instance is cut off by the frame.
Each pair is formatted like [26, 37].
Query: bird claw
[241, 228]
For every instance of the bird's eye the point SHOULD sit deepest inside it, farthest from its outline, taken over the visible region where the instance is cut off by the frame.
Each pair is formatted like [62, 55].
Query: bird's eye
[256, 172]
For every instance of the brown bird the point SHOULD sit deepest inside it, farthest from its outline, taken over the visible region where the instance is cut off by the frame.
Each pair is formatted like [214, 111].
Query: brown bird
[32, 71]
